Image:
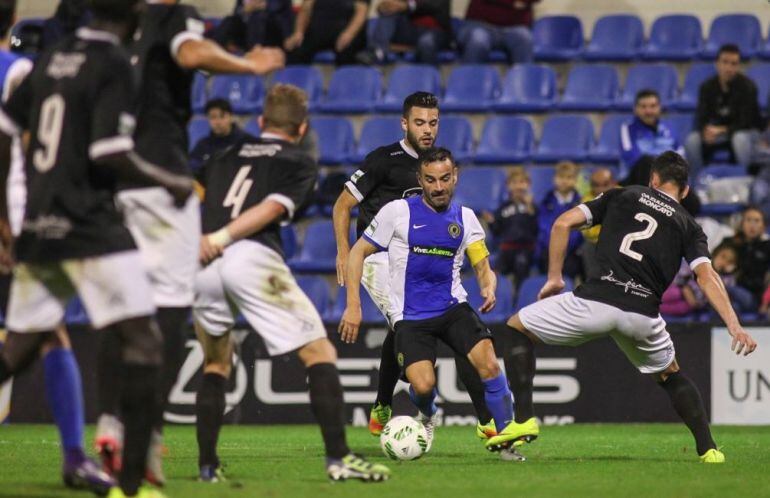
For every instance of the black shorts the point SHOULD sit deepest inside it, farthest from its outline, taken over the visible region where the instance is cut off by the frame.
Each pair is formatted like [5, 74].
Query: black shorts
[460, 328]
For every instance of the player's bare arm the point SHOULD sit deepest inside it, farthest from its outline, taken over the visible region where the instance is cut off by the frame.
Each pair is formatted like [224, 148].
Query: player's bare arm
[130, 167]
[557, 250]
[341, 220]
[300, 26]
[351, 318]
[206, 55]
[355, 25]
[712, 286]
[484, 275]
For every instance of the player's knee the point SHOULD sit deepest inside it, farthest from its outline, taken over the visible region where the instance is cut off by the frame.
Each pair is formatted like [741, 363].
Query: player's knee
[423, 385]
[489, 369]
[142, 341]
[661, 377]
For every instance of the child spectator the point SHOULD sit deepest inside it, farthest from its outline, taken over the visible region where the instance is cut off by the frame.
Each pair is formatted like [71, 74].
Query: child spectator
[683, 296]
[753, 248]
[727, 265]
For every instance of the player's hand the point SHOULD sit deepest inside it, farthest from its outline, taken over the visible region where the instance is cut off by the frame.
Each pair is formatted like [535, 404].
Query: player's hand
[490, 300]
[342, 264]
[343, 40]
[742, 342]
[181, 188]
[350, 323]
[293, 41]
[552, 287]
[209, 251]
[263, 60]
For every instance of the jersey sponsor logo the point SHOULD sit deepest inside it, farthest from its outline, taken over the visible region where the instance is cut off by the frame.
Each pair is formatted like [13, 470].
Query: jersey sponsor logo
[358, 174]
[397, 153]
[260, 150]
[65, 65]
[629, 287]
[371, 228]
[454, 230]
[656, 204]
[48, 227]
[442, 252]
[417, 227]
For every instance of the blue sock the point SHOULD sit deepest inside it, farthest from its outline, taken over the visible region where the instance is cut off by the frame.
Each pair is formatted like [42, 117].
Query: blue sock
[65, 396]
[499, 400]
[425, 404]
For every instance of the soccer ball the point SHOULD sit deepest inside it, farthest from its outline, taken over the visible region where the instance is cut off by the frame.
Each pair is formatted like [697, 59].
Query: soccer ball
[404, 438]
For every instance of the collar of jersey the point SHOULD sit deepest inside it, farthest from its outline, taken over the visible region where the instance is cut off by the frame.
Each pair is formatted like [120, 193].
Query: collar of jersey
[271, 136]
[667, 195]
[408, 148]
[97, 35]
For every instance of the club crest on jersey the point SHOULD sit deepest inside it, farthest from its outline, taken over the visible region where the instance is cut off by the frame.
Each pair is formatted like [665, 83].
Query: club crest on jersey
[454, 230]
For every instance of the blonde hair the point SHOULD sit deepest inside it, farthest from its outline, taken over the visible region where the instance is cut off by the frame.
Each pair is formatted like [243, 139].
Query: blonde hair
[518, 173]
[285, 109]
[567, 168]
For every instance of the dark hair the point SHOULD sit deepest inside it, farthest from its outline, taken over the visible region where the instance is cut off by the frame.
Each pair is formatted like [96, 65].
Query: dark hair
[671, 167]
[221, 104]
[7, 15]
[112, 10]
[420, 99]
[729, 48]
[724, 246]
[754, 207]
[645, 93]
[436, 155]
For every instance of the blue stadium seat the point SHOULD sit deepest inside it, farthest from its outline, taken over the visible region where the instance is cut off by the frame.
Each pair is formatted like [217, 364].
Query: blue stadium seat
[615, 38]
[405, 80]
[531, 286]
[370, 313]
[680, 124]
[741, 29]
[288, 241]
[715, 172]
[481, 189]
[198, 94]
[308, 78]
[607, 149]
[760, 73]
[244, 92]
[319, 249]
[471, 88]
[590, 88]
[764, 52]
[677, 37]
[352, 89]
[528, 88]
[697, 74]
[557, 38]
[197, 128]
[324, 57]
[542, 181]
[252, 127]
[505, 139]
[376, 132]
[504, 294]
[660, 77]
[456, 134]
[317, 289]
[335, 139]
[565, 138]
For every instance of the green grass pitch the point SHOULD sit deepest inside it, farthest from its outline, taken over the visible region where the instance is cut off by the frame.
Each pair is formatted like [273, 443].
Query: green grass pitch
[650, 460]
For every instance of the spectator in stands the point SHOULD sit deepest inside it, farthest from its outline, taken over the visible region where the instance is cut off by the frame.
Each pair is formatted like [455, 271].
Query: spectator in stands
[644, 137]
[514, 226]
[683, 296]
[562, 198]
[425, 25]
[69, 16]
[727, 117]
[336, 25]
[224, 133]
[601, 181]
[760, 160]
[726, 263]
[495, 25]
[753, 247]
[255, 22]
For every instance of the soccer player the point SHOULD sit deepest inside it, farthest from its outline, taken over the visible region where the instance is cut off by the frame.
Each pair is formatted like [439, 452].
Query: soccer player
[168, 47]
[250, 190]
[425, 238]
[390, 173]
[76, 106]
[645, 235]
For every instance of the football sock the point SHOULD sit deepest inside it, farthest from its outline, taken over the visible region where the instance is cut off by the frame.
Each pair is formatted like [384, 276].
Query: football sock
[172, 323]
[109, 362]
[475, 387]
[138, 400]
[519, 360]
[689, 406]
[5, 371]
[499, 402]
[328, 405]
[64, 391]
[389, 370]
[426, 404]
[210, 414]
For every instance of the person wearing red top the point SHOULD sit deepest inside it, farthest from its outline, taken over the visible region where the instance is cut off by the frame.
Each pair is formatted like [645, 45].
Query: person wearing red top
[497, 25]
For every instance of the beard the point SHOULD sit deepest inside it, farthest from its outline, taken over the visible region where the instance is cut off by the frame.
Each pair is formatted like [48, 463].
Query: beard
[416, 143]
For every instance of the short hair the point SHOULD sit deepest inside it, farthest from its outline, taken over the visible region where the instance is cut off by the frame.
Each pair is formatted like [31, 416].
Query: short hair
[437, 155]
[221, 104]
[645, 93]
[7, 15]
[671, 167]
[518, 173]
[567, 168]
[112, 10]
[729, 48]
[419, 99]
[285, 109]
[724, 246]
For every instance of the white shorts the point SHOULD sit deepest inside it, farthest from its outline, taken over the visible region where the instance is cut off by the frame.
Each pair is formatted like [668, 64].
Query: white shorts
[376, 281]
[112, 287]
[169, 240]
[253, 279]
[567, 320]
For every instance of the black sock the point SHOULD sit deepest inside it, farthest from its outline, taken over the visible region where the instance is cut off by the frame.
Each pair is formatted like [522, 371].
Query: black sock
[328, 406]
[137, 404]
[390, 372]
[519, 359]
[210, 413]
[5, 372]
[472, 382]
[109, 363]
[172, 325]
[689, 406]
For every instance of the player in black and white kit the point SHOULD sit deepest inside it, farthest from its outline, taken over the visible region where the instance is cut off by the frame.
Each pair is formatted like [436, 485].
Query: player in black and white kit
[645, 235]
[250, 189]
[390, 173]
[168, 46]
[76, 104]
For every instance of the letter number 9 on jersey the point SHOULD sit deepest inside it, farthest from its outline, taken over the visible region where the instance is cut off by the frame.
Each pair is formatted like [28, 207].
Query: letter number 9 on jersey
[625, 245]
[238, 192]
[49, 132]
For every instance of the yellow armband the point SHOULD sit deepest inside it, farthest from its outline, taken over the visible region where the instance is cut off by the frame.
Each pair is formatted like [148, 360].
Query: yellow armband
[477, 252]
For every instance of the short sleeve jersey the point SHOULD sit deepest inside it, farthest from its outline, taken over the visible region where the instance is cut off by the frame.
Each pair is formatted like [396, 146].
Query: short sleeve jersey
[426, 250]
[388, 173]
[645, 235]
[248, 173]
[76, 105]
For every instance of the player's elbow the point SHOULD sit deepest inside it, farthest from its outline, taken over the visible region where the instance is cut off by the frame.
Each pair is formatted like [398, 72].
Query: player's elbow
[189, 56]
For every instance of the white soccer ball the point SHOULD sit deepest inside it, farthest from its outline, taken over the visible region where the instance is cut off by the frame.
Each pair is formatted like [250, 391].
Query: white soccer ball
[404, 438]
